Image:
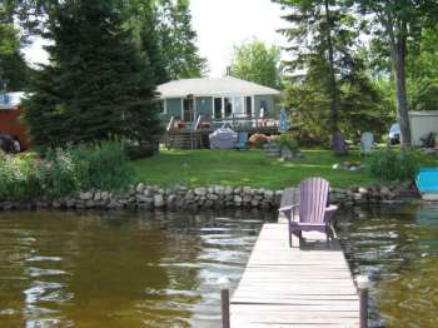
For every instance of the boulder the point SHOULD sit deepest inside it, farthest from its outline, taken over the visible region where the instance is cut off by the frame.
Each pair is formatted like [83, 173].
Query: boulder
[158, 201]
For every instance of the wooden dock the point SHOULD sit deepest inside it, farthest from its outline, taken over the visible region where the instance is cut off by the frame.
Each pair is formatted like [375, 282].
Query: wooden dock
[309, 285]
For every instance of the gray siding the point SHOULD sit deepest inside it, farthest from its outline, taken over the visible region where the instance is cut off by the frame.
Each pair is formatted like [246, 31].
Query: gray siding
[174, 107]
[270, 105]
[204, 106]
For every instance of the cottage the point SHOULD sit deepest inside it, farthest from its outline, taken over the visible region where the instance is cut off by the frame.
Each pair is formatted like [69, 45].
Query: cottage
[217, 99]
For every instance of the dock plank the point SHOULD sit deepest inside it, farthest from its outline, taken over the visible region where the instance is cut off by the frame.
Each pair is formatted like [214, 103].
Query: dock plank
[308, 285]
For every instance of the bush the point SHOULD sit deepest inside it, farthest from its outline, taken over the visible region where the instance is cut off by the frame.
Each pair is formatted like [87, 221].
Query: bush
[18, 176]
[288, 141]
[103, 166]
[392, 165]
[58, 174]
[64, 173]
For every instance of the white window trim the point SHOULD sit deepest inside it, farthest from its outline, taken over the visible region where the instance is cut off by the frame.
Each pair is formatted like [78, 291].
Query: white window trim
[233, 97]
[194, 108]
[165, 106]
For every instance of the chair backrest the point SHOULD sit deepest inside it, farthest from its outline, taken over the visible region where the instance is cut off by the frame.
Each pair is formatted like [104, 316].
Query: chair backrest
[313, 200]
[243, 137]
[367, 141]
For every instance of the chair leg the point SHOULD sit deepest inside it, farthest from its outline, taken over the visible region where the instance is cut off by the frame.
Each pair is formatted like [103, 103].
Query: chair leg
[290, 237]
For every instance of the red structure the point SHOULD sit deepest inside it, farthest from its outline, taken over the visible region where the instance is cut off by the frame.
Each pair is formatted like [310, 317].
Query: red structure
[10, 111]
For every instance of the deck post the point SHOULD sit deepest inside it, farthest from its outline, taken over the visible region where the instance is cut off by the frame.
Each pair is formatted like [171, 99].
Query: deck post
[362, 286]
[225, 298]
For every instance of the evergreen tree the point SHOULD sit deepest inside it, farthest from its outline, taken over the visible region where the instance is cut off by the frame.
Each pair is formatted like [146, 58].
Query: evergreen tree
[177, 40]
[14, 72]
[334, 92]
[96, 86]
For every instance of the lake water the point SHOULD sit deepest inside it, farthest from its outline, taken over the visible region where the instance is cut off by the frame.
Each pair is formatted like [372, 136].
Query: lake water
[398, 248]
[129, 269]
[122, 269]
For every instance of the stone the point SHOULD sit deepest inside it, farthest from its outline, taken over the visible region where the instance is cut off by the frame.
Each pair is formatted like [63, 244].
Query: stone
[247, 198]
[158, 201]
[237, 199]
[220, 190]
[86, 195]
[140, 188]
[200, 191]
[384, 191]
[89, 204]
[190, 195]
[363, 191]
[213, 197]
[228, 190]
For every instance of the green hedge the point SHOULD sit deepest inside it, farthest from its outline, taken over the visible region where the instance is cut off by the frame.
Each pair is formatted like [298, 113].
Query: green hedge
[395, 165]
[61, 173]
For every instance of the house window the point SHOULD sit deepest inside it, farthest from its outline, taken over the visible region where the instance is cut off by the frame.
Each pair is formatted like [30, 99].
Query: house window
[217, 108]
[228, 107]
[263, 109]
[162, 106]
[248, 109]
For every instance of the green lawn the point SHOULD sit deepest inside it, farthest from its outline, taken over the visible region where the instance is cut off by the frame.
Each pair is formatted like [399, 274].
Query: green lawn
[245, 168]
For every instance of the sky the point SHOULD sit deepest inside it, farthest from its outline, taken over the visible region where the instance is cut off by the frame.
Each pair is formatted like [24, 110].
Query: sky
[220, 24]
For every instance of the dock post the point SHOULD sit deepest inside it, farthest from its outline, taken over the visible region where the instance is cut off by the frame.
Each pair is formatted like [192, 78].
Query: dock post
[362, 286]
[225, 298]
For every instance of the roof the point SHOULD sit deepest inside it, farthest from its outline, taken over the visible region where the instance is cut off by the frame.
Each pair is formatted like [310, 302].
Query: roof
[424, 113]
[213, 87]
[10, 100]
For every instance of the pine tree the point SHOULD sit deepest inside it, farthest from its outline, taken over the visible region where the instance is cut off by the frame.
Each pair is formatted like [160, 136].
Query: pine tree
[96, 86]
[14, 72]
[177, 40]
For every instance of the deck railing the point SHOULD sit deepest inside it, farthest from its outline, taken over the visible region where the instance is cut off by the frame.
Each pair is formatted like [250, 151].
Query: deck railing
[235, 122]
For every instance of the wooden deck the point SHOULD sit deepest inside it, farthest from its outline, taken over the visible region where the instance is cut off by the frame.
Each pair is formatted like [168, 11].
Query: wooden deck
[309, 285]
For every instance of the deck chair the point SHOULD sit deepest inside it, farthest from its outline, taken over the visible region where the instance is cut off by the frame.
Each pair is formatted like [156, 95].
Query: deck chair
[314, 214]
[242, 141]
[366, 143]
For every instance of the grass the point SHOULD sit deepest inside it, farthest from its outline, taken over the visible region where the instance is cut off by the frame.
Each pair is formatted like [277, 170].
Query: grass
[245, 168]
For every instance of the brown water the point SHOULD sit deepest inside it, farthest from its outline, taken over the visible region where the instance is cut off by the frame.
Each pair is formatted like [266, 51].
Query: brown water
[128, 269]
[398, 248]
[120, 270]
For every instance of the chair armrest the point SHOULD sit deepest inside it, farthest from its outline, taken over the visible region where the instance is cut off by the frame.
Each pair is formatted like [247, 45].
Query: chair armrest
[331, 208]
[287, 208]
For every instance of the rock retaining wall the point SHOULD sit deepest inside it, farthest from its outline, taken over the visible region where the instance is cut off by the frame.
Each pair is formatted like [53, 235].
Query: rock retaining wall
[149, 197]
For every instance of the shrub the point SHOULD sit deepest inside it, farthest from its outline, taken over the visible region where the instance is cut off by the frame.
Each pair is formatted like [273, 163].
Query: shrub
[103, 166]
[65, 172]
[58, 174]
[288, 141]
[18, 177]
[392, 165]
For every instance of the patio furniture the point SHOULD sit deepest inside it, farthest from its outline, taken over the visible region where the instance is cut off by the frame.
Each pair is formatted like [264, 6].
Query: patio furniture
[314, 213]
[339, 145]
[223, 138]
[366, 143]
[242, 141]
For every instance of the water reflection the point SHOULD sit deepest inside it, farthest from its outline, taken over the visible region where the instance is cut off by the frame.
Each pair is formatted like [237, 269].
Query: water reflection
[398, 248]
[120, 270]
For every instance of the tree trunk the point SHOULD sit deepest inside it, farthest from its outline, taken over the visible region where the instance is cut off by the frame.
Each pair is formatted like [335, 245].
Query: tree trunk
[399, 62]
[333, 86]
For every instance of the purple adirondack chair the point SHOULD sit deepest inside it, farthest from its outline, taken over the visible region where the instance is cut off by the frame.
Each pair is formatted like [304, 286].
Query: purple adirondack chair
[314, 212]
